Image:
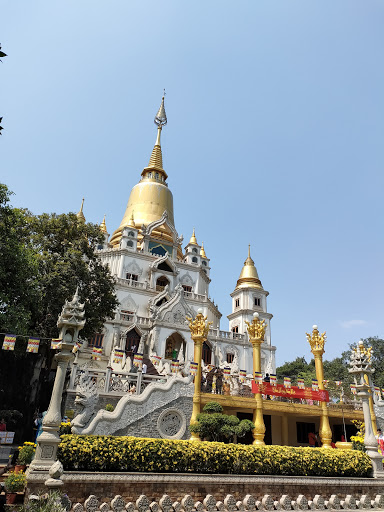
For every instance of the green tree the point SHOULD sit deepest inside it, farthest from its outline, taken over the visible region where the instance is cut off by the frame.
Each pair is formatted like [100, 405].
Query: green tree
[18, 269]
[65, 250]
[213, 425]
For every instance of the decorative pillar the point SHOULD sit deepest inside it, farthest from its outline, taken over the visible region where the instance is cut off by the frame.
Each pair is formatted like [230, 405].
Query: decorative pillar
[317, 342]
[361, 366]
[256, 333]
[199, 328]
[371, 407]
[70, 322]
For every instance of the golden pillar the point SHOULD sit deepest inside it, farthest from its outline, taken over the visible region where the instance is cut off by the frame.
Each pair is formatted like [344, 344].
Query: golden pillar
[284, 430]
[256, 332]
[199, 328]
[317, 342]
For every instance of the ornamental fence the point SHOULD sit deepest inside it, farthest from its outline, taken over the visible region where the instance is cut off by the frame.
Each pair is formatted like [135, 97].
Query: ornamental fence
[230, 504]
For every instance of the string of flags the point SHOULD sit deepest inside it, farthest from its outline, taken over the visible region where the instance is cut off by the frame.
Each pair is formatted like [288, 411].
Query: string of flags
[33, 344]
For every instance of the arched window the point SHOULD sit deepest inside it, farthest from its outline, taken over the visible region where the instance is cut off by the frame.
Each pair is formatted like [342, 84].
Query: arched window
[131, 233]
[129, 243]
[207, 353]
[194, 259]
[204, 263]
[132, 340]
[161, 283]
[230, 357]
[194, 250]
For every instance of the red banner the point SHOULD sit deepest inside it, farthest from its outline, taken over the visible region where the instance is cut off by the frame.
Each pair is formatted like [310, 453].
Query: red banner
[294, 392]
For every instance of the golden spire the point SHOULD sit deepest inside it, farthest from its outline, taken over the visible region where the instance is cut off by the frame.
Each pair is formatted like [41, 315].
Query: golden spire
[248, 276]
[80, 214]
[193, 240]
[131, 222]
[103, 226]
[156, 160]
[202, 251]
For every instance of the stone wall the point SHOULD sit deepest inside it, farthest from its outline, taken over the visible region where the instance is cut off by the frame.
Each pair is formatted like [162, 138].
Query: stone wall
[148, 425]
[130, 486]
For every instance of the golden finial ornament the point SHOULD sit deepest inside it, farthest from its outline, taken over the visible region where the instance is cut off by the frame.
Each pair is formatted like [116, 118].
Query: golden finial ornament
[80, 214]
[202, 251]
[193, 240]
[131, 222]
[248, 276]
[316, 340]
[362, 351]
[199, 326]
[103, 226]
[161, 117]
[256, 328]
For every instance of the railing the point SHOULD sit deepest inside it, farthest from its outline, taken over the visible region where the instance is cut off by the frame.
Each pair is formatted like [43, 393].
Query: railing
[115, 382]
[227, 335]
[132, 283]
[134, 318]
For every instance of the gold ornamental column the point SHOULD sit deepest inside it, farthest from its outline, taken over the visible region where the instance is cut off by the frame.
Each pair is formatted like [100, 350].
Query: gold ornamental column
[256, 333]
[317, 342]
[199, 328]
[371, 408]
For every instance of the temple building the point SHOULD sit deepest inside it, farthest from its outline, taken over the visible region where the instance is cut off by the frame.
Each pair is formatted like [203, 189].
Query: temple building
[159, 283]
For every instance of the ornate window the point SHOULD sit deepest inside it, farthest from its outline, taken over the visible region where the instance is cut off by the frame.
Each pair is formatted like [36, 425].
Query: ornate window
[235, 328]
[230, 357]
[187, 288]
[132, 340]
[133, 277]
[96, 340]
[161, 283]
[194, 259]
[129, 243]
[131, 233]
[194, 250]
[207, 353]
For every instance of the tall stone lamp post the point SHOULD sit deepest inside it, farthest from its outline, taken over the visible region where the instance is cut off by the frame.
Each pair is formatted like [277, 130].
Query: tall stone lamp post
[317, 342]
[199, 328]
[70, 322]
[256, 333]
[360, 366]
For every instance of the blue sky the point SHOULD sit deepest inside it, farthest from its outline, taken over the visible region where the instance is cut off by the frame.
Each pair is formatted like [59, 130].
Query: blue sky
[274, 138]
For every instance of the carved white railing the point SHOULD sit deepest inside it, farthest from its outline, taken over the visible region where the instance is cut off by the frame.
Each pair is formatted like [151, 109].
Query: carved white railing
[133, 284]
[230, 504]
[115, 382]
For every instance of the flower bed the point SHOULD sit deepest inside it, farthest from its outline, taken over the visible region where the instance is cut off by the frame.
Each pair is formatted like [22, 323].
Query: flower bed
[110, 453]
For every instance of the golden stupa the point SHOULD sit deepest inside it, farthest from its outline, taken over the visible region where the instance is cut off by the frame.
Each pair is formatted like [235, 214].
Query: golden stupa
[151, 197]
[248, 276]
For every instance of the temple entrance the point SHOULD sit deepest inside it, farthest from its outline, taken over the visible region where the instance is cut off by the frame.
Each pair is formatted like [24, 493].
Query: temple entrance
[132, 340]
[174, 346]
[207, 353]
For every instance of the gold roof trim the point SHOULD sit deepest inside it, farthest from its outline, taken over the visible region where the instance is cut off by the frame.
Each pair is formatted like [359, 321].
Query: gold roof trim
[249, 277]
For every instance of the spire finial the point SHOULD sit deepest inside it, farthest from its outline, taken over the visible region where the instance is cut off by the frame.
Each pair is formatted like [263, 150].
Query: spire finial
[80, 214]
[249, 250]
[161, 117]
[131, 223]
[202, 251]
[103, 226]
[193, 238]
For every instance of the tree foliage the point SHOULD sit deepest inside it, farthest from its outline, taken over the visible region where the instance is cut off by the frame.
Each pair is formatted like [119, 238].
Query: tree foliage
[44, 259]
[213, 425]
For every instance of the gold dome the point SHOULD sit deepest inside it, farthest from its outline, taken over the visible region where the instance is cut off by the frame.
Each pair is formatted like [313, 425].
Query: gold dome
[151, 197]
[80, 214]
[248, 276]
[202, 251]
[193, 240]
[103, 226]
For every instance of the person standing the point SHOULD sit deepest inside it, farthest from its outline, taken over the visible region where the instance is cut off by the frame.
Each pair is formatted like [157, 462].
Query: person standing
[219, 381]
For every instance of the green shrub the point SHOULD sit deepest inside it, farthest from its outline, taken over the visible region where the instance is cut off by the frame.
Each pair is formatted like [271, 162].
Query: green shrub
[109, 407]
[15, 482]
[26, 453]
[112, 453]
